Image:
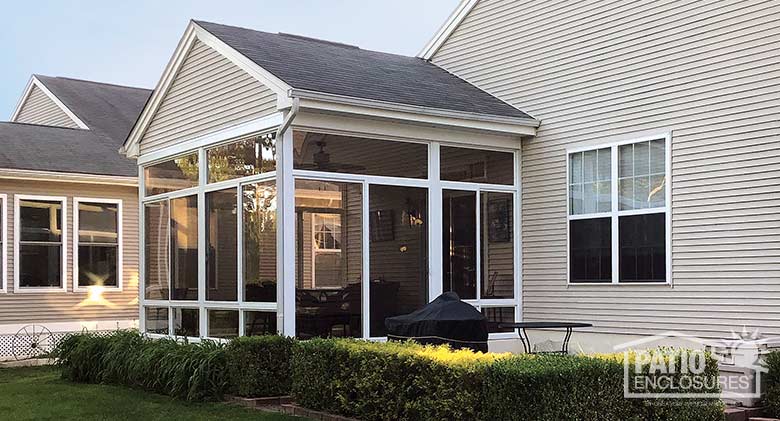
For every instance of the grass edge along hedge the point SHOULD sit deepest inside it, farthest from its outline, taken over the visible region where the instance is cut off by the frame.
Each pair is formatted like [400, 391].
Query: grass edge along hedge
[376, 381]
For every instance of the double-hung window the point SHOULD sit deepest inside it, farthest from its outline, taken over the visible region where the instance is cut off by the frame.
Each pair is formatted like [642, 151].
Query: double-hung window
[97, 250]
[618, 213]
[40, 239]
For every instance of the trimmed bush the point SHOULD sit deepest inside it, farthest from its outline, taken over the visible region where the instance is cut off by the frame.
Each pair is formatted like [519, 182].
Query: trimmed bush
[259, 366]
[772, 383]
[374, 381]
[182, 370]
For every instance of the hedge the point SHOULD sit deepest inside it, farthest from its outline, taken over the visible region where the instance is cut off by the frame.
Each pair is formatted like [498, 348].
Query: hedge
[383, 381]
[771, 386]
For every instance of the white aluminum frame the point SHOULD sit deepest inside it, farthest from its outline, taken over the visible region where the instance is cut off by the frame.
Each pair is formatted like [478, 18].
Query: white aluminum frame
[120, 242]
[64, 251]
[4, 245]
[615, 212]
[285, 177]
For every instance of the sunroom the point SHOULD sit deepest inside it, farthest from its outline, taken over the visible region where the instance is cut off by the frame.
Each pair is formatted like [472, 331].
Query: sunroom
[314, 189]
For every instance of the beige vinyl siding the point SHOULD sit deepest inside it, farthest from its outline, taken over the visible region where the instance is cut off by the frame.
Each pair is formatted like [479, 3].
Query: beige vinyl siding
[600, 71]
[38, 108]
[71, 306]
[208, 94]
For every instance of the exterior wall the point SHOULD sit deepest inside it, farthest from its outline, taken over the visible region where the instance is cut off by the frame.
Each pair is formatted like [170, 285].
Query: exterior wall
[209, 93]
[59, 308]
[38, 108]
[601, 71]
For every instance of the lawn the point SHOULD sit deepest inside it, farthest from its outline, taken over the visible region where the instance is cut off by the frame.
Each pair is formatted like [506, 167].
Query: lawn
[38, 393]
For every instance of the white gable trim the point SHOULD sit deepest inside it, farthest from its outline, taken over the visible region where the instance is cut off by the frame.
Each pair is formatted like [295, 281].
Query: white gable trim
[447, 29]
[34, 82]
[195, 33]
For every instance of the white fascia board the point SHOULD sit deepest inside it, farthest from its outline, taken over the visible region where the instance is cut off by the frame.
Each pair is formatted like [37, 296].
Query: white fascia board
[35, 82]
[195, 32]
[452, 23]
[62, 177]
[402, 112]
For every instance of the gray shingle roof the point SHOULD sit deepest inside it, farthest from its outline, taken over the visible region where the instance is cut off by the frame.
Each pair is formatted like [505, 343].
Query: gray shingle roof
[109, 110]
[322, 66]
[60, 149]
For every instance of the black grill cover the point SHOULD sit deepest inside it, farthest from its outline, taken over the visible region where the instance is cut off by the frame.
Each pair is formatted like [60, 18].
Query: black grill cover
[446, 319]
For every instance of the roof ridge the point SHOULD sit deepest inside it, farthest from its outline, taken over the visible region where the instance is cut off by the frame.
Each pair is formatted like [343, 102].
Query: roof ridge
[18, 123]
[94, 82]
[324, 41]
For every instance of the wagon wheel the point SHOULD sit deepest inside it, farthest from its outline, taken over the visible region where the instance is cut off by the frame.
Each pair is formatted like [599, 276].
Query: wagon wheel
[32, 341]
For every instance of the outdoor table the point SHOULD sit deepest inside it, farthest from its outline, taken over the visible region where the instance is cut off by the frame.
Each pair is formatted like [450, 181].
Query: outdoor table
[522, 326]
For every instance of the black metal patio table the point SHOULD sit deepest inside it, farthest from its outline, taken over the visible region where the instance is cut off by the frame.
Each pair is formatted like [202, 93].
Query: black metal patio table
[522, 326]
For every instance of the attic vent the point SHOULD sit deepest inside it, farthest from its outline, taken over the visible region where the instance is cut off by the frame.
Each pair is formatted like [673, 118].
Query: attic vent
[301, 37]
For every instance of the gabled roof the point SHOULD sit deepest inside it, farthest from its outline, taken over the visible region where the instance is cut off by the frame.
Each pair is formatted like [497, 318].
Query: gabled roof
[59, 149]
[449, 26]
[338, 69]
[108, 110]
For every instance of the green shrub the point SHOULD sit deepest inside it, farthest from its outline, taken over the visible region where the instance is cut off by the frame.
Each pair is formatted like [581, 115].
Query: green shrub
[182, 370]
[393, 381]
[259, 366]
[772, 383]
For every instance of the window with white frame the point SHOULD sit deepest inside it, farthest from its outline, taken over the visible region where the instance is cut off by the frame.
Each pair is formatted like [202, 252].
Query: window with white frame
[618, 213]
[40, 239]
[97, 248]
[3, 240]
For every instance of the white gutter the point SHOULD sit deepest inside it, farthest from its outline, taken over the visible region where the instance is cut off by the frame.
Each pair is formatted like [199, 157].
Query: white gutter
[62, 177]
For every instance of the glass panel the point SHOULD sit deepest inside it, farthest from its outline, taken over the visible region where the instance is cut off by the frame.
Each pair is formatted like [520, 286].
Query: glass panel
[186, 322]
[184, 248]
[498, 315]
[398, 253]
[156, 253]
[477, 166]
[356, 155]
[223, 323]
[222, 245]
[98, 223]
[328, 279]
[241, 159]
[643, 248]
[497, 244]
[590, 173]
[40, 220]
[591, 250]
[40, 266]
[97, 265]
[156, 320]
[460, 242]
[259, 323]
[177, 174]
[259, 225]
[642, 184]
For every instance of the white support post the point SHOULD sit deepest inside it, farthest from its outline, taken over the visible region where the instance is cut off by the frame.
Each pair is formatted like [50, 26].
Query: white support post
[285, 234]
[435, 246]
[202, 283]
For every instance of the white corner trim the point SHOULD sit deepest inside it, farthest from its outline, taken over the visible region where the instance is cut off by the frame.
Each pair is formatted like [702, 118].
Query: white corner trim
[64, 262]
[449, 26]
[35, 82]
[120, 242]
[61, 177]
[193, 33]
[4, 239]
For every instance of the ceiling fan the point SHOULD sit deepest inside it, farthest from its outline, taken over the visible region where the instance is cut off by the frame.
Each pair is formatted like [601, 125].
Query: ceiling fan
[321, 162]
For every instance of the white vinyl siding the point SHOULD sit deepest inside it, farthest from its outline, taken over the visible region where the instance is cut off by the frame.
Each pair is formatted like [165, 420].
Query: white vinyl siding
[600, 72]
[208, 94]
[38, 108]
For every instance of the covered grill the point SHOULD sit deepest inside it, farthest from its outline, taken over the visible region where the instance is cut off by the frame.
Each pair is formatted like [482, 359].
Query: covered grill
[446, 319]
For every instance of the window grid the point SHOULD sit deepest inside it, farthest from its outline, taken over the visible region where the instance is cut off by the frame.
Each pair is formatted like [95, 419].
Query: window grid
[662, 157]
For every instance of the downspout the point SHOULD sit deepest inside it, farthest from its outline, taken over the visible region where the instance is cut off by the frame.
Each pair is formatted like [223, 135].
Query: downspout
[288, 119]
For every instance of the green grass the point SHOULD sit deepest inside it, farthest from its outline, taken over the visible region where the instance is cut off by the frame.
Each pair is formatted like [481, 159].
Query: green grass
[38, 393]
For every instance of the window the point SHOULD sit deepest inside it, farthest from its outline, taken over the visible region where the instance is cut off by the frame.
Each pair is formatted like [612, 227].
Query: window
[618, 213]
[258, 323]
[157, 250]
[98, 228]
[3, 242]
[477, 166]
[156, 320]
[243, 158]
[259, 237]
[168, 176]
[497, 315]
[186, 322]
[357, 155]
[40, 243]
[184, 248]
[222, 247]
[223, 324]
